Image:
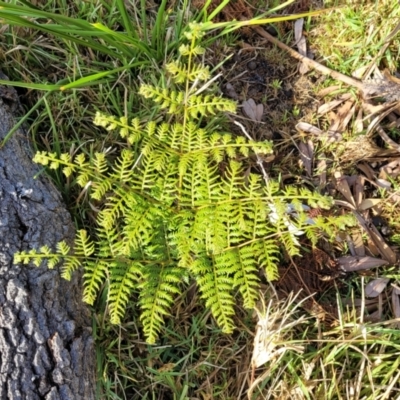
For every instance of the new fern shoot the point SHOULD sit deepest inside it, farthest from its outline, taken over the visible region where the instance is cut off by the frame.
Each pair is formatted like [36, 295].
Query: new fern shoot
[170, 214]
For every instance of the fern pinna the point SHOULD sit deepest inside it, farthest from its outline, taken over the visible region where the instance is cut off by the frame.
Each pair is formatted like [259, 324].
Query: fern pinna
[170, 213]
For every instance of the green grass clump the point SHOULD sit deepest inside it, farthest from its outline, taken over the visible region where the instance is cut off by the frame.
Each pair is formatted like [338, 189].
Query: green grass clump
[352, 34]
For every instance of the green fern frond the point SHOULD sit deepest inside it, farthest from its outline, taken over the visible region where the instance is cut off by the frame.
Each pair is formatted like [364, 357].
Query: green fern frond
[177, 70]
[45, 158]
[100, 163]
[245, 277]
[71, 264]
[94, 275]
[195, 32]
[198, 185]
[161, 283]
[202, 105]
[142, 221]
[178, 204]
[215, 284]
[83, 179]
[114, 209]
[180, 71]
[54, 162]
[100, 189]
[234, 180]
[37, 257]
[124, 278]
[268, 259]
[110, 244]
[210, 225]
[163, 133]
[84, 246]
[63, 248]
[164, 97]
[199, 72]
[134, 133]
[187, 50]
[122, 169]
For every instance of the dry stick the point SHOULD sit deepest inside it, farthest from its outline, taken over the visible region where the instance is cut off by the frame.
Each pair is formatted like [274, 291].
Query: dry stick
[311, 63]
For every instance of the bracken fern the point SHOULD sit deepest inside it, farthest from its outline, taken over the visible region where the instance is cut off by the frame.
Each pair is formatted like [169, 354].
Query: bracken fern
[177, 205]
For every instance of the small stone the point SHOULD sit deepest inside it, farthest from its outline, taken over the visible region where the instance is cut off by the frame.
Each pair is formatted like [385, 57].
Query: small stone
[271, 30]
[252, 65]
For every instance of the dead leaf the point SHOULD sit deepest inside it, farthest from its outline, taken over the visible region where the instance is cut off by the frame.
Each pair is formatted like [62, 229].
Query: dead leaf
[301, 44]
[367, 170]
[330, 137]
[321, 170]
[389, 141]
[298, 34]
[351, 264]
[252, 110]
[246, 47]
[358, 190]
[393, 164]
[231, 92]
[328, 90]
[358, 243]
[306, 155]
[376, 287]
[359, 302]
[335, 122]
[343, 116]
[388, 76]
[374, 125]
[343, 203]
[391, 169]
[351, 180]
[376, 316]
[396, 304]
[359, 72]
[358, 123]
[333, 104]
[372, 247]
[304, 68]
[368, 203]
[384, 250]
[308, 128]
[333, 136]
[383, 183]
[343, 187]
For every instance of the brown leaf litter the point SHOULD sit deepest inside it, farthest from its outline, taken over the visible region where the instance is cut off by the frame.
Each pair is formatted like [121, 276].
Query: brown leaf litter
[384, 87]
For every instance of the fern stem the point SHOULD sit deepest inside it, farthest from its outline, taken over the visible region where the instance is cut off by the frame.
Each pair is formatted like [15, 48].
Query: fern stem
[249, 242]
[283, 198]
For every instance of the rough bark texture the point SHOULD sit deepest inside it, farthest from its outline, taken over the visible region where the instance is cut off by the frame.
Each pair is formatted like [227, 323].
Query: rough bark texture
[46, 347]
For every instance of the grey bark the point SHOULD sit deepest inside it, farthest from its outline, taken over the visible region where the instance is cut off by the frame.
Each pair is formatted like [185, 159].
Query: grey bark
[46, 347]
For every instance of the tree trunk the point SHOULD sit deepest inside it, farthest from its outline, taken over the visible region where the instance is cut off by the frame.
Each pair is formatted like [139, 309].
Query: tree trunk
[46, 347]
